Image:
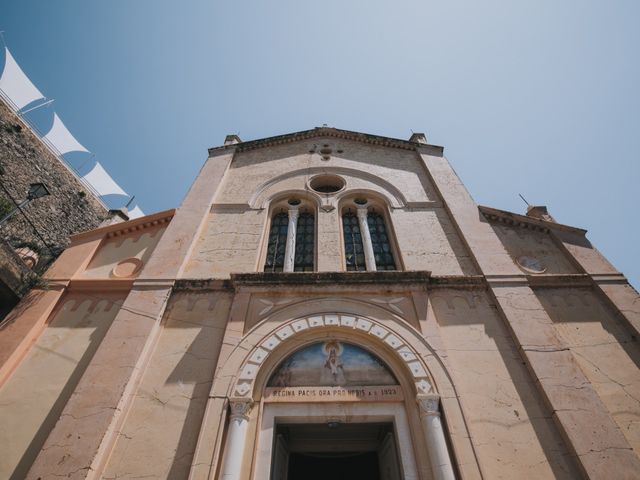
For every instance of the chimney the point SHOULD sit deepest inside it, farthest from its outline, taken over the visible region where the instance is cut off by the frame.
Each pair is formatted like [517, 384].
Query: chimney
[540, 212]
[418, 138]
[232, 140]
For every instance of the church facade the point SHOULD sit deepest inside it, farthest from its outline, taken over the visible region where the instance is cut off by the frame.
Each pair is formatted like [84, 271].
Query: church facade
[325, 304]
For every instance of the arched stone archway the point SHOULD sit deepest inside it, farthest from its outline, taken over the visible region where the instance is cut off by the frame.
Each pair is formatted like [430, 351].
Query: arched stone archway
[246, 385]
[420, 373]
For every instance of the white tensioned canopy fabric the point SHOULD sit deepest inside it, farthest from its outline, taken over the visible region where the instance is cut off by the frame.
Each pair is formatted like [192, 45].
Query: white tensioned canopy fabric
[100, 180]
[60, 137]
[16, 85]
[135, 213]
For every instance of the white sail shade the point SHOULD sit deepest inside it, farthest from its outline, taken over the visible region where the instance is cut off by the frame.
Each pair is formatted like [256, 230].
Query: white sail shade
[102, 183]
[62, 139]
[135, 212]
[16, 85]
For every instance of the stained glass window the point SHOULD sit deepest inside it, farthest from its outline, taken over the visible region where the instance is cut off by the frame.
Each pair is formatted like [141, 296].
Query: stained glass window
[353, 250]
[305, 242]
[380, 242]
[277, 243]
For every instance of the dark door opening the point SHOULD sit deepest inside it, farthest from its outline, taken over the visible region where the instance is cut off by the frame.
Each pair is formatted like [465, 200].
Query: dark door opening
[335, 451]
[333, 466]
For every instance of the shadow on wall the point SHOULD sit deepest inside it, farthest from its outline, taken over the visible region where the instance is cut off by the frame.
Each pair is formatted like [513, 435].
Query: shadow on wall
[8, 300]
[480, 351]
[168, 410]
[96, 314]
[196, 366]
[582, 306]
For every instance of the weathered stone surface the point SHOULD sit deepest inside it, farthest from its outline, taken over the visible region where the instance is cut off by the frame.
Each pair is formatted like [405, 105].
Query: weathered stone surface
[46, 223]
[71, 207]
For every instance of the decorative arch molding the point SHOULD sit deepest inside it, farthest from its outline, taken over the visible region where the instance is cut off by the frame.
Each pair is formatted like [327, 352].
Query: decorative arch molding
[245, 385]
[264, 192]
[242, 379]
[283, 195]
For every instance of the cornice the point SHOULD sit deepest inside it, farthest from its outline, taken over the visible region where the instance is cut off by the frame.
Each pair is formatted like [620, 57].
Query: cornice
[472, 282]
[390, 280]
[562, 280]
[207, 284]
[523, 221]
[127, 227]
[329, 278]
[328, 132]
[96, 285]
[304, 280]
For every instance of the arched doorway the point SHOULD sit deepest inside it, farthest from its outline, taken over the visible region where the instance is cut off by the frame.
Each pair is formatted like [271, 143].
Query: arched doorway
[333, 409]
[314, 374]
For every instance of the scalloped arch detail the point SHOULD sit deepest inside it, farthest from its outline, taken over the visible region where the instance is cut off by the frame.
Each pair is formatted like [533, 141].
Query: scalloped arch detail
[245, 380]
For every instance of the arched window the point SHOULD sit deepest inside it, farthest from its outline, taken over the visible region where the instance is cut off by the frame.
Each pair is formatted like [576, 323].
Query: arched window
[305, 242]
[291, 242]
[380, 242]
[277, 243]
[353, 250]
[367, 243]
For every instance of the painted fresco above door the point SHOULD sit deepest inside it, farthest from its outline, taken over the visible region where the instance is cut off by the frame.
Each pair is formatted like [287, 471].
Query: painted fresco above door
[331, 363]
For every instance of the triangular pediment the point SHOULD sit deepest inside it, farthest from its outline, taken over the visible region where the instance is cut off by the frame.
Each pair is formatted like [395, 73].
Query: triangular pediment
[324, 132]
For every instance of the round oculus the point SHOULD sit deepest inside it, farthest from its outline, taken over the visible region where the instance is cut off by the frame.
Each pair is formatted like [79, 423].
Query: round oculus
[531, 264]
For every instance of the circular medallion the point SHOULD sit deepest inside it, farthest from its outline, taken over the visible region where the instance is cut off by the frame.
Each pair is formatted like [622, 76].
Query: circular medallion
[127, 268]
[530, 264]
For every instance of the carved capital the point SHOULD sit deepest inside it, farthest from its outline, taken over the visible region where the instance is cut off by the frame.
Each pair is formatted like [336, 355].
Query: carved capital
[240, 409]
[294, 211]
[429, 405]
[362, 212]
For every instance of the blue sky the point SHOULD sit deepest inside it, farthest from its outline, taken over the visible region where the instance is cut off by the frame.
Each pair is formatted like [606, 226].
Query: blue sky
[539, 98]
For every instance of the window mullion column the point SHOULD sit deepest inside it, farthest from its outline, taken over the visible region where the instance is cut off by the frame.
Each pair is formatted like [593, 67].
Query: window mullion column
[290, 248]
[369, 257]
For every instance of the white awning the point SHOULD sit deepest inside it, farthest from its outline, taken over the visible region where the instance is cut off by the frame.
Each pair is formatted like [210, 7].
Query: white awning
[62, 139]
[16, 85]
[100, 180]
[135, 212]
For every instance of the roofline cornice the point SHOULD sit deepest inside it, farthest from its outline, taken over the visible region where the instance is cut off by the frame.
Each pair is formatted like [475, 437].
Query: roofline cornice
[123, 228]
[327, 132]
[524, 221]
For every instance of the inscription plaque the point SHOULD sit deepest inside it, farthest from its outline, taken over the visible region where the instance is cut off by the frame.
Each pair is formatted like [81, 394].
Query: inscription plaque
[382, 393]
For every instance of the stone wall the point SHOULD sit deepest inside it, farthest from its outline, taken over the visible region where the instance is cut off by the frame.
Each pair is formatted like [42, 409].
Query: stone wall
[71, 207]
[46, 223]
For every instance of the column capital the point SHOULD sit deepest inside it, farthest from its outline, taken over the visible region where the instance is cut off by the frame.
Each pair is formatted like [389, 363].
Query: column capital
[362, 211]
[294, 211]
[429, 405]
[240, 408]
